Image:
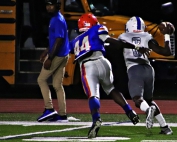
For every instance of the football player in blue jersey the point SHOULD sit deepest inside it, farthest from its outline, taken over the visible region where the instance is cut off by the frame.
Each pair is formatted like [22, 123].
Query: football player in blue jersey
[96, 70]
[140, 72]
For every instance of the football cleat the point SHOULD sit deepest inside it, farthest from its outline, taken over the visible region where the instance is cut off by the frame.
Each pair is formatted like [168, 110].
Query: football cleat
[94, 129]
[59, 118]
[166, 130]
[150, 116]
[47, 114]
[133, 117]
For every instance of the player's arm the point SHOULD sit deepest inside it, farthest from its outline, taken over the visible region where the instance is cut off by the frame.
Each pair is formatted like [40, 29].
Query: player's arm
[118, 43]
[166, 28]
[56, 47]
[165, 51]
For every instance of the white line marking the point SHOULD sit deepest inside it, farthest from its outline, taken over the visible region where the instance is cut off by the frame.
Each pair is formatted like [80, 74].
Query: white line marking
[34, 123]
[82, 124]
[44, 132]
[159, 141]
[78, 139]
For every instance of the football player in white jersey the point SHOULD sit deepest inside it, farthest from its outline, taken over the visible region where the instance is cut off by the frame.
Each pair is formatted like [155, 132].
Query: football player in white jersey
[96, 70]
[141, 73]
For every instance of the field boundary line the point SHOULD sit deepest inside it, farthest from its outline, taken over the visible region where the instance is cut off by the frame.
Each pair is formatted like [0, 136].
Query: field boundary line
[31, 123]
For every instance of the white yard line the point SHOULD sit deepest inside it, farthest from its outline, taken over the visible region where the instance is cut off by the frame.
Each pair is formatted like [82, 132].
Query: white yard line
[81, 124]
[78, 139]
[44, 132]
[28, 123]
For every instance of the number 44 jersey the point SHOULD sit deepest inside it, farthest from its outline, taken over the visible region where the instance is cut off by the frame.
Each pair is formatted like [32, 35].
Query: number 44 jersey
[91, 40]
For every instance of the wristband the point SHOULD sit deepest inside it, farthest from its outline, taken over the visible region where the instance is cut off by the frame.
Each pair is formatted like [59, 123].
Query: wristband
[137, 47]
[167, 37]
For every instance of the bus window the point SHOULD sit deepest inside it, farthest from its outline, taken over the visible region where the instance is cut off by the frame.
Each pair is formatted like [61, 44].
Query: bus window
[73, 6]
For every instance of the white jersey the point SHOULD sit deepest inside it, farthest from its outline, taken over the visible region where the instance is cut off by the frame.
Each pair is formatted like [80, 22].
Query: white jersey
[133, 57]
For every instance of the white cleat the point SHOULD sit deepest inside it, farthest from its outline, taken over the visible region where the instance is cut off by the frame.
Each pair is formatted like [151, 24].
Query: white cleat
[150, 117]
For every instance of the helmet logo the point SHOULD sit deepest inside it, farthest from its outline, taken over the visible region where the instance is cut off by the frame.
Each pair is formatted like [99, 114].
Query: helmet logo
[86, 24]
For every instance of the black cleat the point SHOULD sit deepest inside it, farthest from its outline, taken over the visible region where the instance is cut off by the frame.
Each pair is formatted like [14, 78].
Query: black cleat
[166, 130]
[94, 129]
[133, 117]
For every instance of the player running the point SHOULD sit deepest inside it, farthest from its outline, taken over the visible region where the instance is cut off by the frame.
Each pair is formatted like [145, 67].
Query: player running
[141, 73]
[96, 70]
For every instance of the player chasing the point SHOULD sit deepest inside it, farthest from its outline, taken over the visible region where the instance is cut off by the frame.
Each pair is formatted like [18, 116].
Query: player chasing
[96, 70]
[141, 73]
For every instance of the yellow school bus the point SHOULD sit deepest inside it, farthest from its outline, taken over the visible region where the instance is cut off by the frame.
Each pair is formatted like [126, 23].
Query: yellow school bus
[11, 50]
[7, 40]
[114, 23]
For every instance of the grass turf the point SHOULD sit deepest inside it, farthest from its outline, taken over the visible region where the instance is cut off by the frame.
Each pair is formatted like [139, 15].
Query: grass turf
[135, 133]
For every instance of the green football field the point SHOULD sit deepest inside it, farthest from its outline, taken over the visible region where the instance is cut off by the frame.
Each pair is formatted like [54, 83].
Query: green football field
[20, 127]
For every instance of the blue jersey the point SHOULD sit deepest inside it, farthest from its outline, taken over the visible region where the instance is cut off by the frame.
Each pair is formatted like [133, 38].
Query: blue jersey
[58, 29]
[89, 41]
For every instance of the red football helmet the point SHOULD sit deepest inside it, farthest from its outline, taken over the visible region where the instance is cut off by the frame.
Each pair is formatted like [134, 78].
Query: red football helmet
[86, 21]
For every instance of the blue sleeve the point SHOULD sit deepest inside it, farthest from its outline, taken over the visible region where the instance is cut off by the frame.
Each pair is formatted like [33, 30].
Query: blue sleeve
[102, 30]
[59, 29]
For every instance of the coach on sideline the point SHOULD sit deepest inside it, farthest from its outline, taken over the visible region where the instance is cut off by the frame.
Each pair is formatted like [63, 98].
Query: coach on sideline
[54, 60]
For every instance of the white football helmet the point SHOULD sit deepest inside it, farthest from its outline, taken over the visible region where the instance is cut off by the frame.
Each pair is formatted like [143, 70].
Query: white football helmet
[135, 24]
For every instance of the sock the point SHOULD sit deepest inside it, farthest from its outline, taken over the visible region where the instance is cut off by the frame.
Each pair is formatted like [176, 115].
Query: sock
[94, 104]
[161, 120]
[144, 106]
[127, 108]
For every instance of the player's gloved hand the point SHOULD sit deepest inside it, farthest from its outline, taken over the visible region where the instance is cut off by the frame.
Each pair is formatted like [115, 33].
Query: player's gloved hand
[143, 50]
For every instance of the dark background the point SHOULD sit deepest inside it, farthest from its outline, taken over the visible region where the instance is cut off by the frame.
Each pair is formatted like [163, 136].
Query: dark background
[150, 10]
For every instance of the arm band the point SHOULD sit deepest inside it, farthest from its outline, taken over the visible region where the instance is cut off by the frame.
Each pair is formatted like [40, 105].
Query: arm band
[137, 47]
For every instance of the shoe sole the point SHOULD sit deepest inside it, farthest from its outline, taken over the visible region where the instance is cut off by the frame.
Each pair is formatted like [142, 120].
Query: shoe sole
[150, 118]
[46, 117]
[93, 132]
[170, 132]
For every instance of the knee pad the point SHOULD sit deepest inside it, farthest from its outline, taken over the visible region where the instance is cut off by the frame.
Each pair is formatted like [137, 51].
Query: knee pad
[94, 103]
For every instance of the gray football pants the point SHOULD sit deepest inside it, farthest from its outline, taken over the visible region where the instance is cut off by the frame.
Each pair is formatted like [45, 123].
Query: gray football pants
[95, 73]
[141, 81]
